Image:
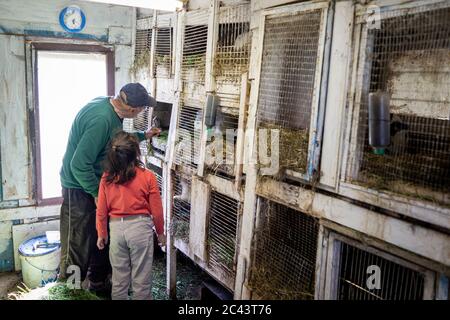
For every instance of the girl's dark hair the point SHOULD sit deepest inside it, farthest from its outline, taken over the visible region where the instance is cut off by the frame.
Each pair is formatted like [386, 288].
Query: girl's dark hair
[122, 158]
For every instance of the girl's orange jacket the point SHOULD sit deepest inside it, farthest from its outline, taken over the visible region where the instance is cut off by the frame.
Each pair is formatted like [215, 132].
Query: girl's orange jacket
[138, 196]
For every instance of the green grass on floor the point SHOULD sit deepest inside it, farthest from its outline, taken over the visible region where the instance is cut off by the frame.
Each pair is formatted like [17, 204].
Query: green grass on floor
[62, 292]
[189, 280]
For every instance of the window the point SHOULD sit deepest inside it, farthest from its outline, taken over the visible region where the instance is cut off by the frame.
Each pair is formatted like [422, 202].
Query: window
[67, 79]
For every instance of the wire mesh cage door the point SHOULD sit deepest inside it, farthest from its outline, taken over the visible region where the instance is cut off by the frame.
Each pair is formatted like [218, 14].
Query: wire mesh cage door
[221, 145]
[222, 237]
[193, 60]
[140, 68]
[407, 57]
[232, 52]
[361, 272]
[181, 206]
[164, 46]
[188, 136]
[284, 252]
[291, 54]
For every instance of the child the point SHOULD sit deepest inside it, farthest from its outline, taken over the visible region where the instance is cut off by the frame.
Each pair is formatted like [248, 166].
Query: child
[129, 195]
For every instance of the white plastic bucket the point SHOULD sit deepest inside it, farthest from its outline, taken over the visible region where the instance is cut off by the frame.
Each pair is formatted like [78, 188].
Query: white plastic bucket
[40, 261]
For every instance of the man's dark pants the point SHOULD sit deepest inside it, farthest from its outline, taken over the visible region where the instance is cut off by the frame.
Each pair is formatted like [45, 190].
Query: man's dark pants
[79, 238]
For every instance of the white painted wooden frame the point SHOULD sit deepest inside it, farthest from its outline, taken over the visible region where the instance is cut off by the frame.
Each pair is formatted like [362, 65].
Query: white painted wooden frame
[171, 246]
[144, 24]
[333, 265]
[164, 86]
[398, 233]
[199, 218]
[324, 41]
[14, 117]
[417, 209]
[216, 186]
[231, 89]
[337, 90]
[209, 79]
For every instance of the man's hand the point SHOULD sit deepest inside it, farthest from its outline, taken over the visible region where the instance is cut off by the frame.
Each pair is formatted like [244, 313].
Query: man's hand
[162, 240]
[152, 132]
[101, 242]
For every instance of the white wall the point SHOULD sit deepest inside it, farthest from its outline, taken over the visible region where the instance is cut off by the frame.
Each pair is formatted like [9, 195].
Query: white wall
[22, 20]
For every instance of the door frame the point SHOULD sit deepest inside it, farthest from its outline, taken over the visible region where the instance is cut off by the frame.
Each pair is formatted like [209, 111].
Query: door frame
[34, 116]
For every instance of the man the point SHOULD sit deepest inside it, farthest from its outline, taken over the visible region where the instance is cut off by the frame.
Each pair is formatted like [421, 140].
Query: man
[81, 171]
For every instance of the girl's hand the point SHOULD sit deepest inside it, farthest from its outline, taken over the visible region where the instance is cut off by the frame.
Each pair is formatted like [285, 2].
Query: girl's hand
[101, 242]
[161, 240]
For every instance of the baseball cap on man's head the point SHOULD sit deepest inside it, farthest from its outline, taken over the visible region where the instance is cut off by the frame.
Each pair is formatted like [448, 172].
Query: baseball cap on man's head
[137, 96]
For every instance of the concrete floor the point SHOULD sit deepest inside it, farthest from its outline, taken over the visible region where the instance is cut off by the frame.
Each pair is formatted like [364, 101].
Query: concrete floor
[8, 281]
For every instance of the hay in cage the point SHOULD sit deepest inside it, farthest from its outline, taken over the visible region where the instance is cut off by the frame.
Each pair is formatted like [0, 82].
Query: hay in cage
[163, 51]
[180, 229]
[287, 83]
[228, 68]
[221, 145]
[141, 63]
[194, 53]
[231, 57]
[268, 287]
[181, 208]
[162, 59]
[222, 235]
[223, 251]
[284, 253]
[293, 147]
[407, 57]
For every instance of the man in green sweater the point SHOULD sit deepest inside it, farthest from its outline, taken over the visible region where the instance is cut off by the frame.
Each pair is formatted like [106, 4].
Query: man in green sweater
[81, 171]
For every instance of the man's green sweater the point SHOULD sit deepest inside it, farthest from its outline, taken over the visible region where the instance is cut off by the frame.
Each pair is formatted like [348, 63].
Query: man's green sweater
[92, 129]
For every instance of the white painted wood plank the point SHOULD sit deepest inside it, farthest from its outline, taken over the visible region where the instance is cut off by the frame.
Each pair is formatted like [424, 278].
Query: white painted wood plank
[179, 41]
[29, 213]
[337, 93]
[389, 5]
[243, 102]
[97, 14]
[46, 29]
[412, 207]
[123, 57]
[417, 239]
[223, 186]
[199, 218]
[197, 17]
[165, 20]
[23, 232]
[263, 4]
[292, 196]
[198, 4]
[170, 245]
[213, 32]
[13, 117]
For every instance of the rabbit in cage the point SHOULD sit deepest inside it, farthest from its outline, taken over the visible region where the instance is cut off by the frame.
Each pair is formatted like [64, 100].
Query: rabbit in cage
[242, 41]
[217, 132]
[399, 136]
[185, 191]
